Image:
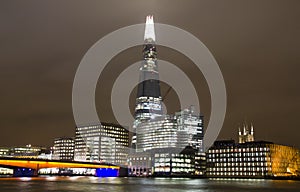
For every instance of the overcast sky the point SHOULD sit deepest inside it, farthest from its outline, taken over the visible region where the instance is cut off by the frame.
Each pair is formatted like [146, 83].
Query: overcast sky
[256, 44]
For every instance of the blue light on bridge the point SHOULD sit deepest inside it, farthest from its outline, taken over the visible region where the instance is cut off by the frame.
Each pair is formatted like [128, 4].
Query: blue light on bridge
[107, 172]
[24, 172]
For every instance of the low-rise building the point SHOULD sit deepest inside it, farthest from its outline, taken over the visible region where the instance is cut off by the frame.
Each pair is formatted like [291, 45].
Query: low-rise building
[170, 162]
[257, 159]
[4, 151]
[63, 149]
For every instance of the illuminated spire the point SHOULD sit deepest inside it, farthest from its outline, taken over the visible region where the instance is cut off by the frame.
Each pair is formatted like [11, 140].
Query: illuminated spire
[149, 28]
[252, 129]
[245, 130]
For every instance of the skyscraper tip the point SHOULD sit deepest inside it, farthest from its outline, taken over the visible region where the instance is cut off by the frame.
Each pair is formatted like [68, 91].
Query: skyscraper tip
[149, 19]
[149, 28]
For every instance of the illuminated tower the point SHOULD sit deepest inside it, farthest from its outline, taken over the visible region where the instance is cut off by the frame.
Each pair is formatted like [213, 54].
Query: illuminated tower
[251, 135]
[246, 135]
[148, 101]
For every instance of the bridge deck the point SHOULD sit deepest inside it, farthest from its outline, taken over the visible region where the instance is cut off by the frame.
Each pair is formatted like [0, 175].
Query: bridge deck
[42, 163]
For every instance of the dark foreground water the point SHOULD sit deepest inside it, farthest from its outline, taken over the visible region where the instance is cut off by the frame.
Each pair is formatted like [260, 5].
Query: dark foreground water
[91, 184]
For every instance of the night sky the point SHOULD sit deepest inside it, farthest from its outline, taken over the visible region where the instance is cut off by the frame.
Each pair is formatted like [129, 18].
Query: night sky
[256, 44]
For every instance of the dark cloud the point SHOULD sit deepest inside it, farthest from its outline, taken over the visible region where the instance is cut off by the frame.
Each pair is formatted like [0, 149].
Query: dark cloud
[256, 44]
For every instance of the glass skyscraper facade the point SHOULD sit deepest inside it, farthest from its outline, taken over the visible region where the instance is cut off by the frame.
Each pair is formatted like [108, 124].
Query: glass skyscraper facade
[148, 101]
[165, 145]
[154, 129]
[189, 129]
[183, 129]
[160, 132]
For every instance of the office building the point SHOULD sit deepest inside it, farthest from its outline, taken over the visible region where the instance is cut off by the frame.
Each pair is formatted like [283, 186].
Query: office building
[164, 139]
[169, 162]
[27, 151]
[255, 159]
[63, 149]
[105, 142]
[185, 128]
[160, 132]
[190, 130]
[4, 151]
[140, 164]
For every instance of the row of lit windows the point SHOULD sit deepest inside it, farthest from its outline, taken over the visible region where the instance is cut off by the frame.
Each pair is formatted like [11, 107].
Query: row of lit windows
[115, 135]
[63, 143]
[25, 149]
[168, 155]
[114, 132]
[64, 155]
[252, 159]
[180, 170]
[173, 164]
[232, 149]
[239, 154]
[139, 158]
[235, 173]
[63, 151]
[97, 134]
[138, 169]
[174, 170]
[95, 139]
[242, 164]
[181, 165]
[95, 145]
[63, 148]
[177, 160]
[239, 159]
[239, 169]
[121, 129]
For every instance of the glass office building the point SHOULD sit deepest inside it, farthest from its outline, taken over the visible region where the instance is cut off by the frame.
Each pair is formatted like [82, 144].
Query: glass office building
[169, 145]
[160, 132]
[189, 129]
[105, 142]
[183, 129]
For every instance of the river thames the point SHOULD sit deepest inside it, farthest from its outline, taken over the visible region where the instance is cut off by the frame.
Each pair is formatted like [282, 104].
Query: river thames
[91, 184]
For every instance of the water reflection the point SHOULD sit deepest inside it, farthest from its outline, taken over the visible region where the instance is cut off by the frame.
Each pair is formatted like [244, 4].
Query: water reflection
[64, 184]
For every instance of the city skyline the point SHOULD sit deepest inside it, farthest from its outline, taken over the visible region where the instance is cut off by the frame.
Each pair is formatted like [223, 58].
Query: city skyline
[41, 55]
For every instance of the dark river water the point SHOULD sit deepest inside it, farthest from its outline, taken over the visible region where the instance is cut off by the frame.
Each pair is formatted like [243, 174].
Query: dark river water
[91, 184]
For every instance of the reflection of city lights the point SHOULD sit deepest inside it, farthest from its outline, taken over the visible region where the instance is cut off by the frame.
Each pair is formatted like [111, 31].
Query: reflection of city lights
[25, 178]
[93, 178]
[51, 178]
[74, 178]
